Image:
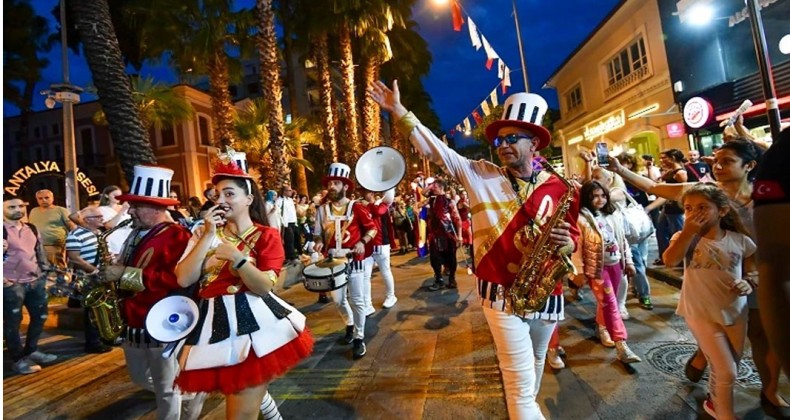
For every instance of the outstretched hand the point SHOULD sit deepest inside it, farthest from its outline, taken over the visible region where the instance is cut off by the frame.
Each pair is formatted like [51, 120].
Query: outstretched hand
[388, 99]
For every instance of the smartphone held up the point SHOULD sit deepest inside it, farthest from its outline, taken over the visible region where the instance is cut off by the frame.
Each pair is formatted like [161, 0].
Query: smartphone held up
[602, 153]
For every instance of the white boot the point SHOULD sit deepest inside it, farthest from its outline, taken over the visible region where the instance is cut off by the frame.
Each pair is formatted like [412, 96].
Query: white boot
[625, 354]
[604, 337]
[554, 359]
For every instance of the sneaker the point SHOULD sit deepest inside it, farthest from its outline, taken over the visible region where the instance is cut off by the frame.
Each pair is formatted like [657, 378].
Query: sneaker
[359, 348]
[40, 357]
[645, 303]
[349, 337]
[658, 262]
[25, 366]
[436, 286]
[554, 359]
[370, 311]
[625, 354]
[390, 301]
[709, 407]
[604, 337]
[561, 351]
[624, 314]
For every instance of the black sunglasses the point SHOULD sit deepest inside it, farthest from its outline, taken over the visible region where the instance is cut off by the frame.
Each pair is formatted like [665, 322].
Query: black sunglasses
[510, 139]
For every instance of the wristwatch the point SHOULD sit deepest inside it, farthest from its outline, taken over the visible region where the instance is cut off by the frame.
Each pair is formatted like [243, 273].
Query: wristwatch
[241, 263]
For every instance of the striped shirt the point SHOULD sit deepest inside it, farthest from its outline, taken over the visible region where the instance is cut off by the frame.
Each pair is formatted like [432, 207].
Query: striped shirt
[84, 241]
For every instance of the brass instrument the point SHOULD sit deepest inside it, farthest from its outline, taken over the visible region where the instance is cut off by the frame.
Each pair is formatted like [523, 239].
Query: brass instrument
[103, 300]
[544, 266]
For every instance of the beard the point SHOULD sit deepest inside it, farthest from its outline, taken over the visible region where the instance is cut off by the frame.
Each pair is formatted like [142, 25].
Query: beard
[335, 195]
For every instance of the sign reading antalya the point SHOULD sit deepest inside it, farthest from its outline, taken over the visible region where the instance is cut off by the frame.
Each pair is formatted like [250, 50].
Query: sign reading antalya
[604, 125]
[24, 174]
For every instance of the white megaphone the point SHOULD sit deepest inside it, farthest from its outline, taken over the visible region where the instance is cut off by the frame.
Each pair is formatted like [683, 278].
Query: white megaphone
[172, 319]
[380, 169]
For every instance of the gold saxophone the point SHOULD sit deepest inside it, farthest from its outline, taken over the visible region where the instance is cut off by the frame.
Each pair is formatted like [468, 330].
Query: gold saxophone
[103, 300]
[545, 265]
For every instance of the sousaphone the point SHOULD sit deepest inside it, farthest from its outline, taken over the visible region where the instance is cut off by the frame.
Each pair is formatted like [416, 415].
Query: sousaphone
[380, 169]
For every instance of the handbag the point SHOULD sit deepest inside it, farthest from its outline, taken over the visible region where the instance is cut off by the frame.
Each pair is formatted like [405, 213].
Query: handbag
[637, 223]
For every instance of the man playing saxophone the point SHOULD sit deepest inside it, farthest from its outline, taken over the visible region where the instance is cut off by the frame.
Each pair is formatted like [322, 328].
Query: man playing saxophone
[513, 207]
[149, 256]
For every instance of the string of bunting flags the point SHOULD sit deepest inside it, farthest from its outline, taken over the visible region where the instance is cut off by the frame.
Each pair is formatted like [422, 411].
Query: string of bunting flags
[503, 71]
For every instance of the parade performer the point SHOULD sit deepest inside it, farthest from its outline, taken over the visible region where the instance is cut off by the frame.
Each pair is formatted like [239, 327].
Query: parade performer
[344, 226]
[151, 253]
[380, 247]
[504, 200]
[246, 335]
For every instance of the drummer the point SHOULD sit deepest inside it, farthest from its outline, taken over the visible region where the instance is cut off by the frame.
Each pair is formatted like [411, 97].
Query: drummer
[343, 227]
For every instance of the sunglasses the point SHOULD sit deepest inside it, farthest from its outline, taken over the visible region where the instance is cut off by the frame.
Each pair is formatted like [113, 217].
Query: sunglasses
[510, 139]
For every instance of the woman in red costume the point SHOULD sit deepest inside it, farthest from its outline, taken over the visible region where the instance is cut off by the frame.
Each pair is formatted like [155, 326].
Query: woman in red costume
[246, 336]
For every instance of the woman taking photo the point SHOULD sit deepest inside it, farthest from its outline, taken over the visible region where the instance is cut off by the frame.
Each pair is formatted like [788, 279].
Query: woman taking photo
[237, 258]
[734, 168]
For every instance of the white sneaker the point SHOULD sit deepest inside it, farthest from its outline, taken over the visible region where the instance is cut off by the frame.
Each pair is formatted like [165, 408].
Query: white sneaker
[554, 359]
[41, 357]
[624, 314]
[390, 301]
[604, 337]
[25, 366]
[625, 354]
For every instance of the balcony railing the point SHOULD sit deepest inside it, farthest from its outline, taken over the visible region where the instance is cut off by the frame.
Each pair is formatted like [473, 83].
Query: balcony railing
[634, 77]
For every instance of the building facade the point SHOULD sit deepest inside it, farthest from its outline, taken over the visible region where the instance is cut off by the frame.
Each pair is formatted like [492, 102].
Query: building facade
[616, 88]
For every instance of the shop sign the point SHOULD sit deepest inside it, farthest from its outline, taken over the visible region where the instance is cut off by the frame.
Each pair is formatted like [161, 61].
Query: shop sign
[697, 112]
[676, 130]
[24, 174]
[604, 125]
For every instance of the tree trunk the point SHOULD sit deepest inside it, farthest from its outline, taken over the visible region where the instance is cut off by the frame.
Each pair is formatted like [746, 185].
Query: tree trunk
[371, 117]
[350, 148]
[103, 54]
[221, 103]
[300, 175]
[321, 53]
[272, 91]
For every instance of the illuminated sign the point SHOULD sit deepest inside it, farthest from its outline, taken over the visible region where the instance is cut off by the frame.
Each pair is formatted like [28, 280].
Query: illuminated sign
[21, 176]
[606, 124]
[642, 112]
[676, 130]
[697, 112]
[574, 140]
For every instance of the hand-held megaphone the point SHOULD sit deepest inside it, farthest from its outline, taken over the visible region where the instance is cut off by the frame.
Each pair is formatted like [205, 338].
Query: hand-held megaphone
[380, 169]
[172, 319]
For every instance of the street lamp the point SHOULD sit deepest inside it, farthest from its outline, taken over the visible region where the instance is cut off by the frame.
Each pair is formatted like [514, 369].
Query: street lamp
[700, 12]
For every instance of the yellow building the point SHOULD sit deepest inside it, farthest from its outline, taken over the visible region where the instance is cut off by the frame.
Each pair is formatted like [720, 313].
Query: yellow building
[616, 88]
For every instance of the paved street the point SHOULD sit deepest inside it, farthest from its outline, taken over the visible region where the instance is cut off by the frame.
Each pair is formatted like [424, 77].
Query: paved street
[429, 357]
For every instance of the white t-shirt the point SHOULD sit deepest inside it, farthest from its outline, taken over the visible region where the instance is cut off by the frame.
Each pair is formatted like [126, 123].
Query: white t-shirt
[707, 292]
[116, 239]
[287, 209]
[611, 249]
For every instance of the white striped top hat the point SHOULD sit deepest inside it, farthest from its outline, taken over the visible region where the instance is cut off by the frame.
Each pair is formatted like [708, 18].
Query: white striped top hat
[339, 172]
[523, 110]
[151, 185]
[231, 164]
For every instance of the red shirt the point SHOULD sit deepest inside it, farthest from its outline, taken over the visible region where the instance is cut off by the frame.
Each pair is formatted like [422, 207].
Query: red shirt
[359, 223]
[157, 254]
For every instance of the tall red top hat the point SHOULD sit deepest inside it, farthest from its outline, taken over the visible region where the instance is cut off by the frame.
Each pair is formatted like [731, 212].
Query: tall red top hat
[339, 172]
[523, 110]
[151, 185]
[231, 164]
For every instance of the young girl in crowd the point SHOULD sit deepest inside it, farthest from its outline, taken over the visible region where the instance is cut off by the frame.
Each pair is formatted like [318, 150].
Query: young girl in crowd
[719, 264]
[605, 255]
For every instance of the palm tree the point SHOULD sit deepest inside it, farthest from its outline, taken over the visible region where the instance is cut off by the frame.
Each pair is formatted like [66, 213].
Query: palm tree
[130, 139]
[271, 85]
[202, 37]
[157, 104]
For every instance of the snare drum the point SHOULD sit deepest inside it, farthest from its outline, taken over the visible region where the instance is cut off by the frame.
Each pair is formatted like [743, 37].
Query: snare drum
[325, 279]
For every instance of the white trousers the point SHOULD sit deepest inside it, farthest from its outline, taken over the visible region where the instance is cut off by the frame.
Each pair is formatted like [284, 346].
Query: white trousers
[356, 298]
[153, 373]
[520, 343]
[381, 256]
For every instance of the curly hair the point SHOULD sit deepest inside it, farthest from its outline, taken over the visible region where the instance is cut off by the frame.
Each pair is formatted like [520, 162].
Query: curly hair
[747, 151]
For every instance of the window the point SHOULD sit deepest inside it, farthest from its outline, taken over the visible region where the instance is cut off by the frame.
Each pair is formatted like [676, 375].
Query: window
[39, 153]
[573, 99]
[253, 88]
[630, 59]
[57, 154]
[203, 131]
[168, 137]
[55, 129]
[86, 139]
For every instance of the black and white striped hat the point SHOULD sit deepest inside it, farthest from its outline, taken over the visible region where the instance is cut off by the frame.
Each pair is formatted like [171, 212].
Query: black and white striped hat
[151, 185]
[523, 110]
[231, 164]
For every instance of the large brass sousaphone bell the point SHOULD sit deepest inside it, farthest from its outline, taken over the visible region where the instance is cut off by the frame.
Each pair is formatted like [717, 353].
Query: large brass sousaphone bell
[380, 169]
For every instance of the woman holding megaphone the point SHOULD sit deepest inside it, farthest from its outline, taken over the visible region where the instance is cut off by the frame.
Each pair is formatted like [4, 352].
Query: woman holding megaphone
[246, 336]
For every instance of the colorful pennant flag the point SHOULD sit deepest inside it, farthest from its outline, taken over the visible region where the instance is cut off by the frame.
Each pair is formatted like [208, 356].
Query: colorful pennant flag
[477, 117]
[486, 109]
[490, 53]
[494, 98]
[506, 80]
[458, 19]
[467, 125]
[474, 35]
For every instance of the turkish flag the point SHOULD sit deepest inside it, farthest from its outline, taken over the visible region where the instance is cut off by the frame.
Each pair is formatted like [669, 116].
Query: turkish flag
[477, 117]
[458, 19]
